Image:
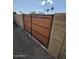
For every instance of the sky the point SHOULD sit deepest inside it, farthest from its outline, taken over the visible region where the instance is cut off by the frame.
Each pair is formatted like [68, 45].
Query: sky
[27, 6]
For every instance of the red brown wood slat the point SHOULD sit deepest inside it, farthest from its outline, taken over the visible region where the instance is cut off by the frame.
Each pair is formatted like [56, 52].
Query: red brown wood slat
[40, 38]
[42, 22]
[42, 31]
[39, 26]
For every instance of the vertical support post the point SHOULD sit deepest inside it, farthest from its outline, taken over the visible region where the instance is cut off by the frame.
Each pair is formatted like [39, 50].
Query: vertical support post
[23, 22]
[31, 25]
[50, 29]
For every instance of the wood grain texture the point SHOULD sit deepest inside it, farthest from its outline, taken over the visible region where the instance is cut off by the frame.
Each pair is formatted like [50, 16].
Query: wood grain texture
[39, 25]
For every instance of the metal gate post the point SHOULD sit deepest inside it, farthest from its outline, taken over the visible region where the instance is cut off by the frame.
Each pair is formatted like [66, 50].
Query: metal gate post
[50, 29]
[23, 22]
[31, 25]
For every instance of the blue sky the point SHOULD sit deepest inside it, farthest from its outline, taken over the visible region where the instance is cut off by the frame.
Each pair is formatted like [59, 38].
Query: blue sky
[26, 6]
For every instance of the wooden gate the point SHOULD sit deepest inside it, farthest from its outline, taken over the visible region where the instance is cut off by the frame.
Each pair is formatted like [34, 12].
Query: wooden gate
[39, 26]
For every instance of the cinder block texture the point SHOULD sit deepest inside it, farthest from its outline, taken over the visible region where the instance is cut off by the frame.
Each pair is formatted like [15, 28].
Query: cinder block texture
[57, 35]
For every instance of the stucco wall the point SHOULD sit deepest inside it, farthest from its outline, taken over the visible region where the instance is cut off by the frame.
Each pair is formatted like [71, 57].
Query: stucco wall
[62, 53]
[57, 36]
[19, 20]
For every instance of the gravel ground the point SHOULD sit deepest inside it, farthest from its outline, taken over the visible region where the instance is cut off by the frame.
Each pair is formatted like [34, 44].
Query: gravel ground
[24, 47]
